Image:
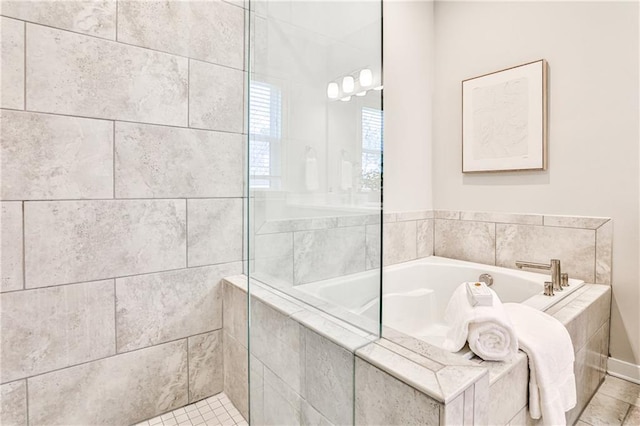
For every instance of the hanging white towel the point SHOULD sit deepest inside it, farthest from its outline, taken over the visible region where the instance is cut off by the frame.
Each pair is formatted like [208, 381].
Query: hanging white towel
[346, 172]
[552, 384]
[311, 174]
[487, 328]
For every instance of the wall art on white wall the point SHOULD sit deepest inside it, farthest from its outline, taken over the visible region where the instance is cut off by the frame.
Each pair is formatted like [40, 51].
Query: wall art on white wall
[504, 120]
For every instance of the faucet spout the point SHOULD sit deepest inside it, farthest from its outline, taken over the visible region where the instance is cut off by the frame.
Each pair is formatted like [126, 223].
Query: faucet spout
[553, 266]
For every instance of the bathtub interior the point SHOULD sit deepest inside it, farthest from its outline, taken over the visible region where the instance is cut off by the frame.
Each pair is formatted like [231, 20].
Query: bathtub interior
[416, 293]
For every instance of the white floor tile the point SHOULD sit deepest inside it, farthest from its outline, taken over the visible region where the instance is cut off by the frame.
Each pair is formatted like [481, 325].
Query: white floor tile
[213, 411]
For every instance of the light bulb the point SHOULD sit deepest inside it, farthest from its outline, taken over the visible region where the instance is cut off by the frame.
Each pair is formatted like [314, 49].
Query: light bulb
[346, 99]
[361, 93]
[348, 84]
[333, 90]
[378, 88]
[366, 77]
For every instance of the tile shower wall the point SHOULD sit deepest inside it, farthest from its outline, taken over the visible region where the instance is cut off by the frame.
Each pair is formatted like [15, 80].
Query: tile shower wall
[122, 186]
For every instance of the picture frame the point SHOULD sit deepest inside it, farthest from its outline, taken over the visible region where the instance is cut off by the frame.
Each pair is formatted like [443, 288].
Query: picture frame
[504, 120]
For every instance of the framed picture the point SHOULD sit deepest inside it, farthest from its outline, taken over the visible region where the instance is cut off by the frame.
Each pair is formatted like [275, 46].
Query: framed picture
[504, 120]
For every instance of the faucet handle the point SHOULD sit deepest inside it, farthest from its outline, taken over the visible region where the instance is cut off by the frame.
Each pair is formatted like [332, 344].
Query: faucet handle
[564, 279]
[548, 288]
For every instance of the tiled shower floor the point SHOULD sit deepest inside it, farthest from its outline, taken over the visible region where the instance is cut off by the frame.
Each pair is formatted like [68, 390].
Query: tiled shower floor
[215, 410]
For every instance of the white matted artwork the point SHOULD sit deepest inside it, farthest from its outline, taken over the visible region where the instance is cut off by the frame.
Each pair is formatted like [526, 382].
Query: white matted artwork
[504, 120]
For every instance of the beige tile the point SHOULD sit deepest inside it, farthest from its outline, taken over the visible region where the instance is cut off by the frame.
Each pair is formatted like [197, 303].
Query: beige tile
[414, 215]
[621, 389]
[206, 372]
[453, 412]
[604, 245]
[236, 374]
[481, 395]
[71, 241]
[47, 329]
[383, 400]
[215, 106]
[170, 162]
[78, 75]
[13, 403]
[328, 253]
[214, 231]
[329, 378]
[282, 405]
[278, 342]
[509, 394]
[400, 242]
[515, 218]
[425, 230]
[604, 410]
[165, 306]
[373, 246]
[633, 417]
[52, 157]
[575, 221]
[234, 304]
[574, 247]
[93, 17]
[256, 389]
[311, 416]
[273, 257]
[12, 55]
[123, 389]
[465, 240]
[11, 237]
[210, 31]
[446, 214]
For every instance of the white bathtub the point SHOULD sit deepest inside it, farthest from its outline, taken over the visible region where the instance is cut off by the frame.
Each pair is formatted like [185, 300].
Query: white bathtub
[416, 293]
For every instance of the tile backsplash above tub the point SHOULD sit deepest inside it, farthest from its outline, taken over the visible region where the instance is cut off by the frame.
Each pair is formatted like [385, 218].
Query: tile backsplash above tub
[583, 244]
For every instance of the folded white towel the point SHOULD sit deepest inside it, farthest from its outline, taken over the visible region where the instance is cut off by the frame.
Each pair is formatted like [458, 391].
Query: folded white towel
[311, 174]
[487, 328]
[552, 384]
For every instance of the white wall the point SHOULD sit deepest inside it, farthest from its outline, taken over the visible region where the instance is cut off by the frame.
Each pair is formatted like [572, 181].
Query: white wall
[592, 49]
[408, 84]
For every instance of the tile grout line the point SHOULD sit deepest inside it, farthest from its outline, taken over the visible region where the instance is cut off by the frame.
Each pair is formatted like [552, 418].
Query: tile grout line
[24, 260]
[24, 83]
[145, 123]
[110, 40]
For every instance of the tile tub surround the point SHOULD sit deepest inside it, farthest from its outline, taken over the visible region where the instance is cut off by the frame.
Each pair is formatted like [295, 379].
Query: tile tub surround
[114, 209]
[583, 244]
[421, 383]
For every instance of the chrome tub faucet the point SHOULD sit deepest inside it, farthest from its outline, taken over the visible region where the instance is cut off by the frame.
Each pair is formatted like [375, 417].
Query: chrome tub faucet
[558, 279]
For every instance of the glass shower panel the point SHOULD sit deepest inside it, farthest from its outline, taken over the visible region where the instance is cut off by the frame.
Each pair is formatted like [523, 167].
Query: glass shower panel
[315, 154]
[315, 190]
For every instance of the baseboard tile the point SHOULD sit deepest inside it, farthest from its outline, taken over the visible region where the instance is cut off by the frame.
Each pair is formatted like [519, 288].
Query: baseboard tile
[624, 370]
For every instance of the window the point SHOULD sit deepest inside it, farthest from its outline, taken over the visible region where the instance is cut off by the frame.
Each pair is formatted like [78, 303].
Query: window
[372, 127]
[265, 132]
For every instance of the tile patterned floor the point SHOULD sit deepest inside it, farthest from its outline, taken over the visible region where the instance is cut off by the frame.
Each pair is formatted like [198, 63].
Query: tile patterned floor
[616, 403]
[213, 411]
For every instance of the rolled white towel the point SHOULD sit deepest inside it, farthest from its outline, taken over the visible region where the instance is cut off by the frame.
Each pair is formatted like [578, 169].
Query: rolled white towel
[488, 329]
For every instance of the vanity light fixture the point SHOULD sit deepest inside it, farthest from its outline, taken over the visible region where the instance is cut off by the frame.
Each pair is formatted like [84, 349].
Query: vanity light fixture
[333, 90]
[348, 84]
[366, 77]
[346, 99]
[378, 88]
[361, 93]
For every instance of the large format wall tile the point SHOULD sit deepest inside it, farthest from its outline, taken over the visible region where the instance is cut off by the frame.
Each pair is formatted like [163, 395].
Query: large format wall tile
[574, 247]
[214, 231]
[236, 374]
[400, 242]
[211, 31]
[604, 242]
[384, 400]
[74, 74]
[329, 378]
[94, 17]
[72, 241]
[11, 232]
[170, 162]
[234, 305]
[13, 403]
[55, 157]
[216, 106]
[328, 253]
[282, 405]
[12, 56]
[123, 389]
[51, 328]
[425, 237]
[205, 365]
[273, 257]
[157, 308]
[465, 240]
